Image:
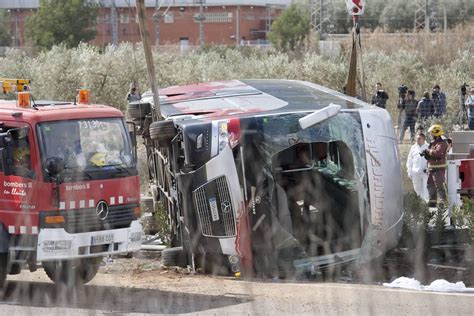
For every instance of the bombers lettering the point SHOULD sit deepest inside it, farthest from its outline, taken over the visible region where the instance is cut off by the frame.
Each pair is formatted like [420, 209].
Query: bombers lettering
[19, 185]
[77, 187]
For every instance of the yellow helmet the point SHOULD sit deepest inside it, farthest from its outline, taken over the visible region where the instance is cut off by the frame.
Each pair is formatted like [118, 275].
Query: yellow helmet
[98, 159]
[20, 152]
[436, 130]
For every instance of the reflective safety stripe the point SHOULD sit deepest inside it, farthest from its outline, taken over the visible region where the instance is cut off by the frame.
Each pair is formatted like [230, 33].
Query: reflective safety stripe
[23, 230]
[113, 200]
[443, 166]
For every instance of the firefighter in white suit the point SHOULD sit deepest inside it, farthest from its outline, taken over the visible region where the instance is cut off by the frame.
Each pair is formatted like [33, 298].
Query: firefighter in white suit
[417, 167]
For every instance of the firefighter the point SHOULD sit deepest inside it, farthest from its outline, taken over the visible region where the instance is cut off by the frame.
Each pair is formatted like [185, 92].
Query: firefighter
[436, 157]
[21, 161]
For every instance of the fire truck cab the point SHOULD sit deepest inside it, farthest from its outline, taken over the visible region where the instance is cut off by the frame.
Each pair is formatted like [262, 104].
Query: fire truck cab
[69, 188]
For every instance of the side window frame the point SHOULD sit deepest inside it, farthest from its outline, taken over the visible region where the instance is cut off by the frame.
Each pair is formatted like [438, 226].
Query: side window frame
[31, 145]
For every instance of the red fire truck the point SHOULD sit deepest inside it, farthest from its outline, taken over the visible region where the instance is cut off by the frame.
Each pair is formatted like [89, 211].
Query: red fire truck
[69, 187]
[460, 179]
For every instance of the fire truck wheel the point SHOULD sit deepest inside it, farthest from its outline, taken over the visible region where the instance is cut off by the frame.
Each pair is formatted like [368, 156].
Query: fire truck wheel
[72, 273]
[3, 268]
[163, 132]
[172, 257]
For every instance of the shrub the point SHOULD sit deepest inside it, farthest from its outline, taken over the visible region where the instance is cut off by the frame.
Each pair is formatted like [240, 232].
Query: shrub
[57, 73]
[415, 222]
[463, 216]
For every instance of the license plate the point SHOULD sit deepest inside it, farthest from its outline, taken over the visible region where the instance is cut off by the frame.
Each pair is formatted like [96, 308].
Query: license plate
[102, 239]
[214, 212]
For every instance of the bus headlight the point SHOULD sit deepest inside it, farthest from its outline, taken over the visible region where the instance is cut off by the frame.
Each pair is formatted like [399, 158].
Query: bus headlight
[223, 139]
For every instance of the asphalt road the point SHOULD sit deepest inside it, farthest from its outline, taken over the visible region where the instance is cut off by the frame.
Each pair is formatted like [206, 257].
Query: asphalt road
[142, 289]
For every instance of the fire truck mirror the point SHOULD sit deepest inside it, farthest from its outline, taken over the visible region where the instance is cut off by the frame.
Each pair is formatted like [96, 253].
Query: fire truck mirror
[55, 166]
[132, 129]
[6, 154]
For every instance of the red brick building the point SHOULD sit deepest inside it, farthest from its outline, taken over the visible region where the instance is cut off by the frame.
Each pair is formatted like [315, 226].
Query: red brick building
[170, 22]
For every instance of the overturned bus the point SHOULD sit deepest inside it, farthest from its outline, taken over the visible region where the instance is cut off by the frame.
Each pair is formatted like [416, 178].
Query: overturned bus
[272, 177]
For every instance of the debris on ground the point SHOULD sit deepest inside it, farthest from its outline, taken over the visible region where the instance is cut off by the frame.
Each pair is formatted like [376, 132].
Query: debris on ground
[435, 286]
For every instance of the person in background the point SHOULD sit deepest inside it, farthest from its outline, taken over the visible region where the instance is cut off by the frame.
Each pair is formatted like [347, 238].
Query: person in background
[437, 164]
[450, 145]
[380, 97]
[439, 100]
[417, 167]
[424, 110]
[469, 103]
[22, 161]
[409, 105]
[133, 94]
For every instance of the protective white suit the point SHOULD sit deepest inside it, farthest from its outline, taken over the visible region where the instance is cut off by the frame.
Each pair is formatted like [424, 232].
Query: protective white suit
[417, 170]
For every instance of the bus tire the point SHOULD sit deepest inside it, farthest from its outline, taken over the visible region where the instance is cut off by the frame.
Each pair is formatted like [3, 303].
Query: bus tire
[163, 132]
[137, 110]
[172, 257]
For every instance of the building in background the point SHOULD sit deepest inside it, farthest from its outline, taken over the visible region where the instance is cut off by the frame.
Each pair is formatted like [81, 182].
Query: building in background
[170, 22]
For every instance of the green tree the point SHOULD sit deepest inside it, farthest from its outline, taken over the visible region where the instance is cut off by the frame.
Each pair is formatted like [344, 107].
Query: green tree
[67, 22]
[291, 28]
[5, 36]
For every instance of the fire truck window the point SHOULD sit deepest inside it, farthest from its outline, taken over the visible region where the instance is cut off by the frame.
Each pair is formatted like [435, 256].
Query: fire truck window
[22, 159]
[21, 162]
[89, 144]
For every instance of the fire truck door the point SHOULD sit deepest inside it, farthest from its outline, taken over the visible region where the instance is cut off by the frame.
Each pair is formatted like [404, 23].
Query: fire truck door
[18, 194]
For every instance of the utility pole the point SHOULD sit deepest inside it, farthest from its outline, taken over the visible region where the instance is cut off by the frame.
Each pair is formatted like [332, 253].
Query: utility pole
[421, 16]
[141, 12]
[319, 16]
[201, 18]
[237, 26]
[427, 16]
[156, 18]
[445, 19]
[114, 23]
[17, 40]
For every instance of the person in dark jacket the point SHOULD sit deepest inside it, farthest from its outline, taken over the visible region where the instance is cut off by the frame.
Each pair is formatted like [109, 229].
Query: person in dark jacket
[380, 97]
[133, 94]
[439, 100]
[424, 110]
[409, 105]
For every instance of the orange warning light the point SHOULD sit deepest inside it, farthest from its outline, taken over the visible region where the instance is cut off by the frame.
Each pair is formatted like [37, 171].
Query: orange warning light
[84, 96]
[23, 100]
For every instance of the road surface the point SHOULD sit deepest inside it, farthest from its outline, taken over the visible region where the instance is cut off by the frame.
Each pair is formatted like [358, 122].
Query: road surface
[141, 287]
